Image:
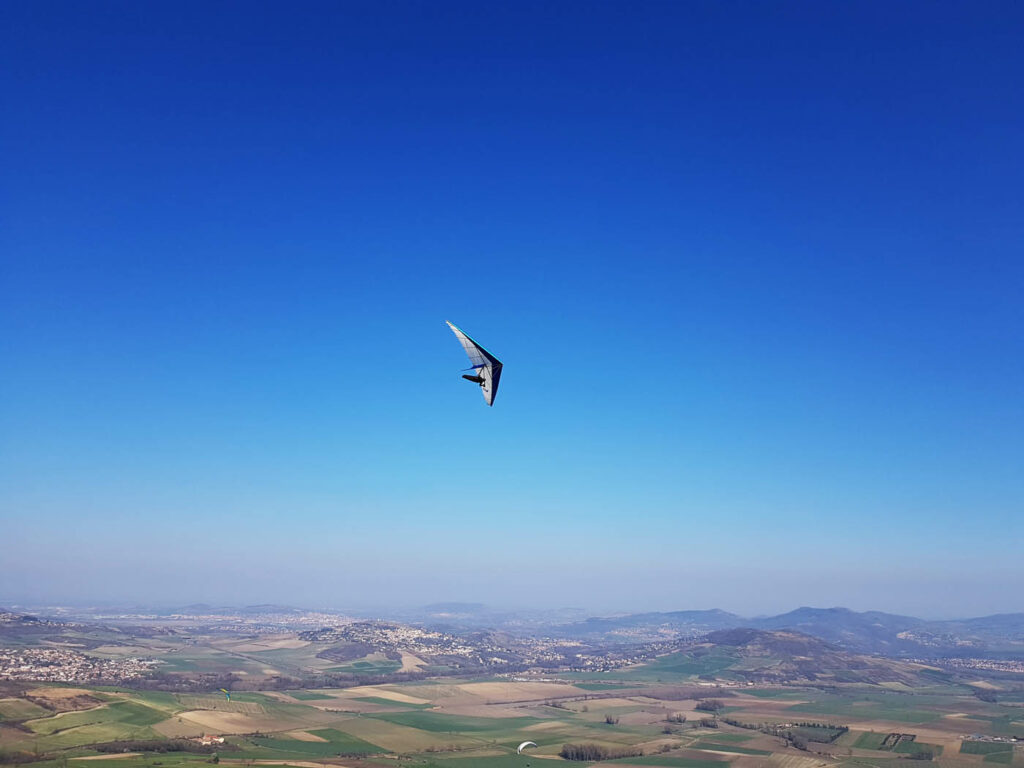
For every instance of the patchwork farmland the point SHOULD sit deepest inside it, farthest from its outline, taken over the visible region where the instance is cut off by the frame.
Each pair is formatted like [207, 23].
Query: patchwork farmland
[470, 724]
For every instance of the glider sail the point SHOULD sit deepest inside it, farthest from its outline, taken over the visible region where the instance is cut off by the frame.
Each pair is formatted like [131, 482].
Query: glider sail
[486, 367]
[524, 745]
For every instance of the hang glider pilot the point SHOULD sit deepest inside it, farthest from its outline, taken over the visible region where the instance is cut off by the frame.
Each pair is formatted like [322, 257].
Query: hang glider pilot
[477, 379]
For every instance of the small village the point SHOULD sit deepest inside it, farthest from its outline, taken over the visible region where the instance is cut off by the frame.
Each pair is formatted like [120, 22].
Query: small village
[60, 665]
[991, 665]
[481, 648]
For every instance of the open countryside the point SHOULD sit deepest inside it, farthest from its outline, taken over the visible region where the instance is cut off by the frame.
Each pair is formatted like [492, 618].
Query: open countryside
[530, 384]
[743, 697]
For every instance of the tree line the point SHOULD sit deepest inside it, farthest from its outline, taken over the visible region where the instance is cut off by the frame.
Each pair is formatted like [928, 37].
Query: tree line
[593, 752]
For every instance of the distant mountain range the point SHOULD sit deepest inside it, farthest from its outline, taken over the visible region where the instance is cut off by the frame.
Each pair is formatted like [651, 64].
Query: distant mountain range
[870, 632]
[790, 656]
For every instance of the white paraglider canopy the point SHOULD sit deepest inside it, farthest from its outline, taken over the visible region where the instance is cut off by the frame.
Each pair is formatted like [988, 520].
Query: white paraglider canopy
[486, 367]
[524, 745]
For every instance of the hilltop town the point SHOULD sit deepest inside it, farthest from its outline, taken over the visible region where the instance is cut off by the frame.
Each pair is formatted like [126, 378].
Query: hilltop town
[62, 665]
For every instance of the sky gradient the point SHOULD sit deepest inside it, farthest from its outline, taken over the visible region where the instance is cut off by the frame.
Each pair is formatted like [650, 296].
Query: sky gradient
[755, 272]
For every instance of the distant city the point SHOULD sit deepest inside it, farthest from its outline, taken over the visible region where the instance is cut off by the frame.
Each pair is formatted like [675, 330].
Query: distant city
[74, 644]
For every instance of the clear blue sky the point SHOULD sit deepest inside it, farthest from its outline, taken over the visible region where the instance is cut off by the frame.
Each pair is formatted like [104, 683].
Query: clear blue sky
[755, 271]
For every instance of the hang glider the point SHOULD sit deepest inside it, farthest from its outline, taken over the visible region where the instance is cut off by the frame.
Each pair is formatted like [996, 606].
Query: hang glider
[486, 367]
[524, 745]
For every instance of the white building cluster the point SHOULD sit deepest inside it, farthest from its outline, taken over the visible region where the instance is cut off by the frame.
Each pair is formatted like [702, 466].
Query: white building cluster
[59, 665]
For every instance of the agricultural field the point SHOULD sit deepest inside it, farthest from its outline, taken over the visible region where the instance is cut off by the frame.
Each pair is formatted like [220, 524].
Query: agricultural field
[678, 667]
[478, 723]
[870, 740]
[892, 710]
[19, 709]
[369, 666]
[391, 702]
[308, 695]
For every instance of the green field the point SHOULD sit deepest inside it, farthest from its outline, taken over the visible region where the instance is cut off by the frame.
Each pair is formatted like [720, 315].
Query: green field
[873, 762]
[441, 723]
[382, 667]
[455, 731]
[1002, 725]
[601, 686]
[873, 740]
[999, 757]
[237, 703]
[485, 761]
[984, 747]
[19, 709]
[870, 740]
[775, 693]
[897, 709]
[916, 748]
[391, 702]
[166, 760]
[670, 762]
[678, 666]
[269, 747]
[128, 713]
[308, 695]
[165, 702]
[817, 734]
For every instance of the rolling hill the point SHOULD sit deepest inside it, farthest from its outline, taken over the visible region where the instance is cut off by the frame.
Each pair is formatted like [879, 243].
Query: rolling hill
[779, 656]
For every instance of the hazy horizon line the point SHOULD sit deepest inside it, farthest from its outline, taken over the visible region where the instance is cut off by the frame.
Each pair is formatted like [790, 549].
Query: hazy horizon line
[381, 608]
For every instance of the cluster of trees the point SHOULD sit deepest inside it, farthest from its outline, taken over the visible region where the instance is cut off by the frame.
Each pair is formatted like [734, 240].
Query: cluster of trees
[155, 745]
[678, 693]
[12, 757]
[444, 748]
[710, 705]
[800, 739]
[611, 719]
[675, 717]
[351, 651]
[822, 733]
[592, 752]
[336, 680]
[176, 683]
[161, 746]
[796, 740]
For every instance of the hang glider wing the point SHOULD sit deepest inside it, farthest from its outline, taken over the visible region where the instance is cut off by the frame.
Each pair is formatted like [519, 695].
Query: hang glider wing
[486, 367]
